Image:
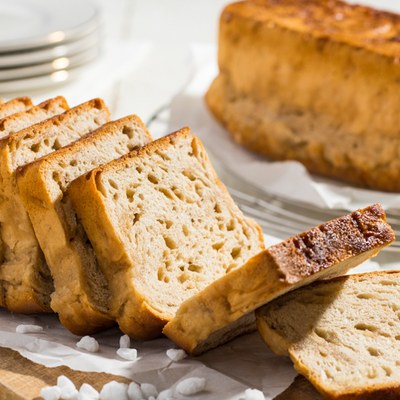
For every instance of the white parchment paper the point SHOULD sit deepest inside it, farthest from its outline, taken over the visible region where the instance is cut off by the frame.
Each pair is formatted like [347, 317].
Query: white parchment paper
[288, 179]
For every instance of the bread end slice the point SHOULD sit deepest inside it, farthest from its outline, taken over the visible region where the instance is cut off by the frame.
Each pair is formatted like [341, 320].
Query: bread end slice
[342, 334]
[212, 316]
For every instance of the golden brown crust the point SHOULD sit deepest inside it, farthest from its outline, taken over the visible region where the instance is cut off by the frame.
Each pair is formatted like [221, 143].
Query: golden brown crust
[15, 105]
[356, 25]
[327, 250]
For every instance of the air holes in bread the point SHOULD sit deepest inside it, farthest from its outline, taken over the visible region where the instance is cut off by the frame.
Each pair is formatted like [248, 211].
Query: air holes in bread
[73, 163]
[365, 327]
[130, 195]
[189, 175]
[170, 243]
[195, 268]
[56, 145]
[365, 296]
[217, 208]
[113, 184]
[218, 245]
[152, 178]
[128, 131]
[373, 351]
[235, 252]
[35, 147]
[166, 192]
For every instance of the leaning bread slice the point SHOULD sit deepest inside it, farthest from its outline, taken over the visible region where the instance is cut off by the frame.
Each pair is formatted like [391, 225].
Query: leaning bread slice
[14, 106]
[22, 120]
[225, 308]
[25, 280]
[163, 227]
[342, 334]
[81, 295]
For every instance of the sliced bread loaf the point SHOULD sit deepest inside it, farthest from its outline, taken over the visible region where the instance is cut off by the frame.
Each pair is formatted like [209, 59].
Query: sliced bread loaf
[225, 308]
[163, 227]
[14, 106]
[25, 280]
[342, 334]
[81, 295]
[21, 120]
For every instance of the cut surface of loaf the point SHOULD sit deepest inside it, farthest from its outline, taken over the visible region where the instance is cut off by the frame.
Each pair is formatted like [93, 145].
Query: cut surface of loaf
[342, 334]
[81, 296]
[163, 227]
[290, 71]
[26, 283]
[14, 106]
[224, 309]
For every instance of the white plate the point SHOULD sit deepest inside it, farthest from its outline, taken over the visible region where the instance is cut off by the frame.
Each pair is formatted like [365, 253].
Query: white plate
[29, 24]
[46, 54]
[40, 82]
[57, 64]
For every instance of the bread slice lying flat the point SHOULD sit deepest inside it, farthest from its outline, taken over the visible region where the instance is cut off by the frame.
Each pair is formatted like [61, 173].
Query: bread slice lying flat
[225, 308]
[16, 105]
[342, 334]
[163, 227]
[25, 279]
[81, 294]
[20, 120]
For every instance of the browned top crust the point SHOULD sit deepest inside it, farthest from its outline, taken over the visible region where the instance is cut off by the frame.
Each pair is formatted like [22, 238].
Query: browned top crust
[309, 252]
[355, 25]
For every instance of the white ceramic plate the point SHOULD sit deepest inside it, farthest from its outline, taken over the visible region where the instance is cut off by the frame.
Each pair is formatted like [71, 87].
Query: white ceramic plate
[29, 24]
[47, 54]
[57, 64]
[40, 82]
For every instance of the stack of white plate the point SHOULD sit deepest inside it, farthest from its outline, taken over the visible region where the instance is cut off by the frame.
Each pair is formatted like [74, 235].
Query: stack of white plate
[45, 42]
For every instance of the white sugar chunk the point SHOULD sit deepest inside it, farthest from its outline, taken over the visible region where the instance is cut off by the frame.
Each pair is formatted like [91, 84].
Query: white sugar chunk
[68, 389]
[253, 394]
[127, 354]
[149, 390]
[165, 395]
[51, 393]
[114, 391]
[191, 386]
[176, 354]
[134, 392]
[124, 342]
[88, 343]
[88, 392]
[26, 328]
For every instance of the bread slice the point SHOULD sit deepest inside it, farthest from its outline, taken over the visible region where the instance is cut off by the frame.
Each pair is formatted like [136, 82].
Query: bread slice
[21, 120]
[25, 280]
[163, 227]
[291, 70]
[224, 309]
[81, 295]
[341, 334]
[14, 106]
[15, 122]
